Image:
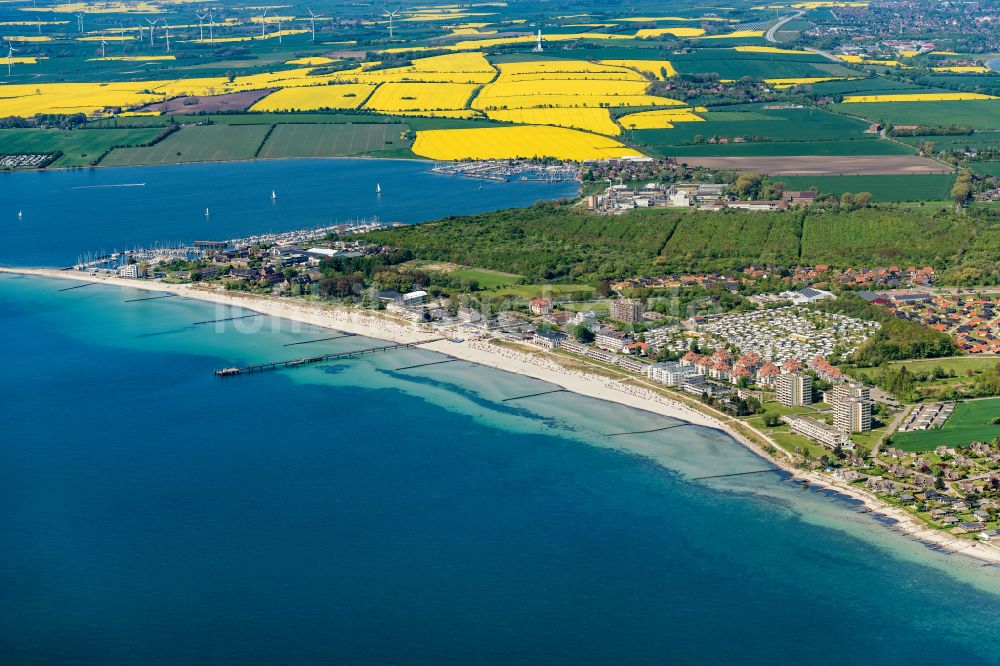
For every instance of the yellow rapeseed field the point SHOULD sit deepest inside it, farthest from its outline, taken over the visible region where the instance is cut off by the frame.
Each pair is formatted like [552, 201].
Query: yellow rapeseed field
[592, 120]
[449, 68]
[660, 119]
[313, 61]
[653, 67]
[788, 83]
[964, 69]
[824, 5]
[923, 97]
[739, 34]
[647, 33]
[445, 113]
[27, 60]
[107, 38]
[140, 7]
[517, 142]
[251, 38]
[27, 38]
[391, 97]
[342, 96]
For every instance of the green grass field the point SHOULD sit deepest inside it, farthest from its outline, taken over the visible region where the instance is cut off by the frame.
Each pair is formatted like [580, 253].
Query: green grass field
[787, 125]
[960, 365]
[79, 147]
[924, 187]
[202, 143]
[758, 68]
[846, 147]
[333, 140]
[979, 114]
[970, 423]
[985, 168]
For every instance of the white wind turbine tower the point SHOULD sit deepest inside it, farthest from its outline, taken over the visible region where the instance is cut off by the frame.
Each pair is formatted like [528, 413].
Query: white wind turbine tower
[152, 29]
[211, 27]
[391, 15]
[263, 24]
[79, 22]
[167, 26]
[10, 57]
[38, 23]
[104, 45]
[141, 33]
[279, 29]
[201, 27]
[312, 21]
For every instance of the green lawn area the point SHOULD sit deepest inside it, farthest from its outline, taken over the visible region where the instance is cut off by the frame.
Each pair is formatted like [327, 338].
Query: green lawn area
[600, 308]
[978, 114]
[79, 147]
[202, 143]
[329, 140]
[911, 187]
[970, 423]
[781, 410]
[792, 442]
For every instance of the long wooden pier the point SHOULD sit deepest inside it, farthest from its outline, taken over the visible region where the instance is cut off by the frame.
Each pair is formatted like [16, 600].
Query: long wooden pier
[295, 362]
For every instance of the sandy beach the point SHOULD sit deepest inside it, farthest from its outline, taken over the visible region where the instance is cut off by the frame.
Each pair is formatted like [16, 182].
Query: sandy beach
[539, 366]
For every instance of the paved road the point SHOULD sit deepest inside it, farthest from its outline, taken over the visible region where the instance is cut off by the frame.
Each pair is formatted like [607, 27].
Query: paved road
[770, 36]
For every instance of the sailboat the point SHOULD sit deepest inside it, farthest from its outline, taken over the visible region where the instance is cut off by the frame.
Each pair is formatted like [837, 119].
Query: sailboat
[20, 215]
[273, 195]
[378, 188]
[206, 212]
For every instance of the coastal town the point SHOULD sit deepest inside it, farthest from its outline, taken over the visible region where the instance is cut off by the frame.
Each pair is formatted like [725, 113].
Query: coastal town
[770, 365]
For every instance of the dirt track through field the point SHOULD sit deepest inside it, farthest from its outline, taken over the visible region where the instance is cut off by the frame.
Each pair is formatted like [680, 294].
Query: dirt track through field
[823, 165]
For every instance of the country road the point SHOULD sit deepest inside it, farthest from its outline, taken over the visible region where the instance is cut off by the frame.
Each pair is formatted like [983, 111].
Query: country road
[770, 36]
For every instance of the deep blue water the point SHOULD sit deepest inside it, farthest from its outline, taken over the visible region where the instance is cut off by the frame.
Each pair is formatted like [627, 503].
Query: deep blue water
[66, 213]
[352, 513]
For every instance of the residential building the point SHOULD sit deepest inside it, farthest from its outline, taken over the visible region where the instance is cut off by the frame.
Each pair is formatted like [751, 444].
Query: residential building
[627, 310]
[414, 297]
[826, 435]
[131, 271]
[541, 306]
[548, 339]
[611, 340]
[852, 407]
[671, 374]
[794, 389]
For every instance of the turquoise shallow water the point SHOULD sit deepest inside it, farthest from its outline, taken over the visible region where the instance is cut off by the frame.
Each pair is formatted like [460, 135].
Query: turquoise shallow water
[66, 213]
[354, 513]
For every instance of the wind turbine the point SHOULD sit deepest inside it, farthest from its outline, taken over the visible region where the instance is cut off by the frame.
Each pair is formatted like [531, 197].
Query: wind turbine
[151, 29]
[141, 33]
[167, 25]
[38, 23]
[312, 21]
[201, 28]
[263, 24]
[391, 16]
[211, 27]
[79, 22]
[279, 29]
[104, 45]
[10, 57]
